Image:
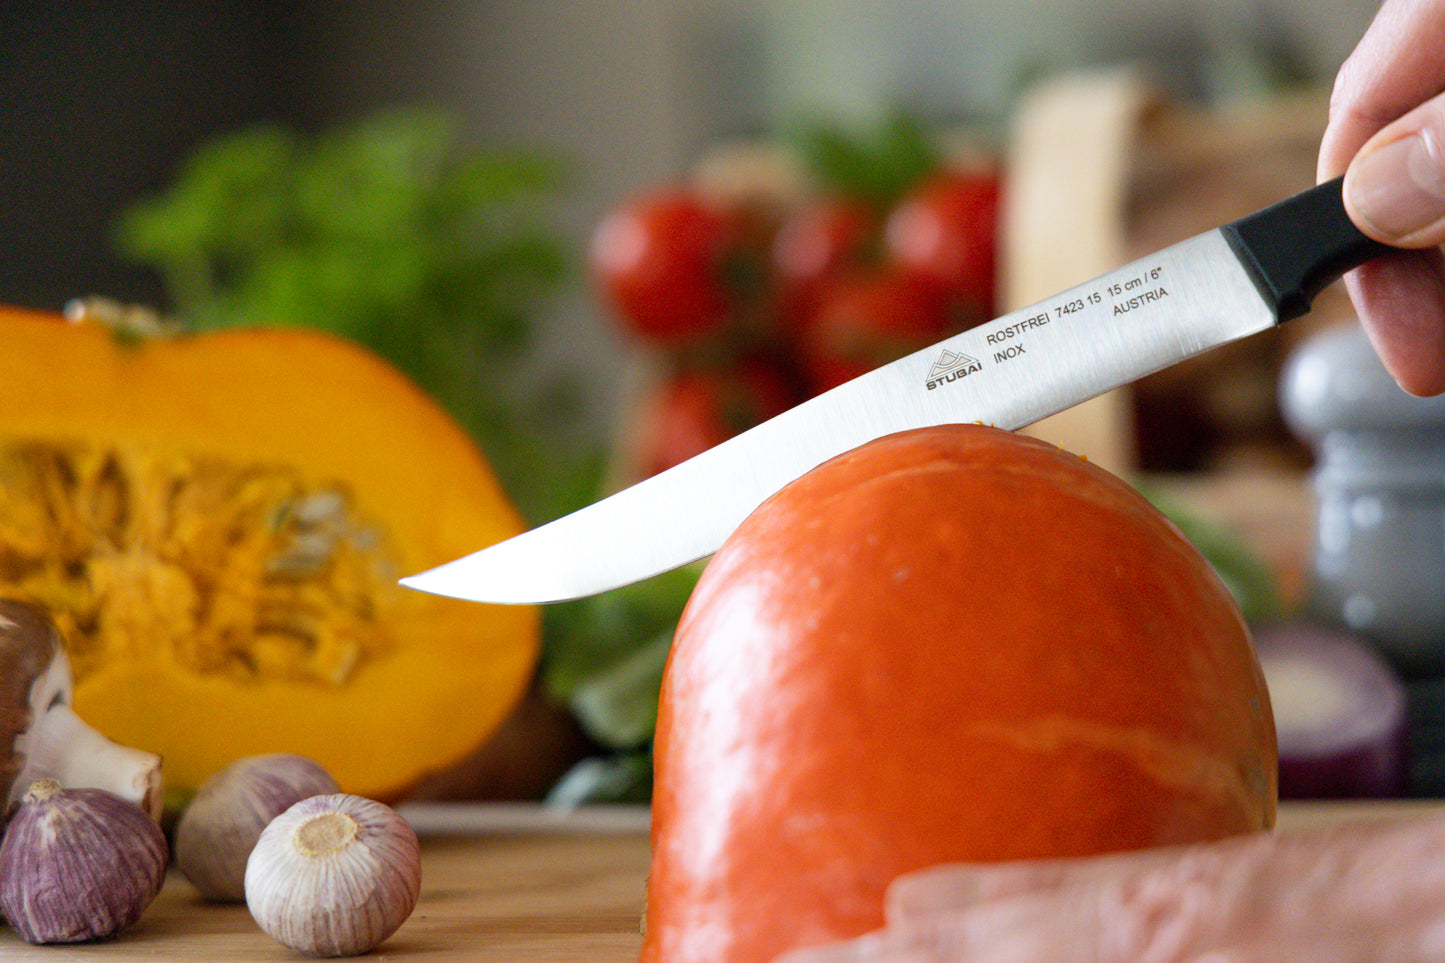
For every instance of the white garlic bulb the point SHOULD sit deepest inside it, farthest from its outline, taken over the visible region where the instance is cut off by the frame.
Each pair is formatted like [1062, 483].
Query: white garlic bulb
[41, 737]
[78, 864]
[219, 827]
[334, 875]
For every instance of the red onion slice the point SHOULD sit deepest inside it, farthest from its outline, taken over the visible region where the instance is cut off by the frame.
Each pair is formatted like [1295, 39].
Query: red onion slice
[1339, 711]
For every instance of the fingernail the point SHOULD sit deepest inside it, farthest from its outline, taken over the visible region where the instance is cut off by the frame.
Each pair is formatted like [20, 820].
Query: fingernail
[1399, 188]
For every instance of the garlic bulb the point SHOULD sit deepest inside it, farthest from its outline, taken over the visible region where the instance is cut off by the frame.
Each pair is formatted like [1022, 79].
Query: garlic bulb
[41, 736]
[219, 827]
[78, 864]
[334, 875]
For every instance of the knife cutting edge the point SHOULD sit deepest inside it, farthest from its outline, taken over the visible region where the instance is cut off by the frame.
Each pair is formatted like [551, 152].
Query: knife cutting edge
[1218, 287]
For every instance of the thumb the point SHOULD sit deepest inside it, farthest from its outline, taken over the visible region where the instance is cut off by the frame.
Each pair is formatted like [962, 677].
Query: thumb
[1395, 186]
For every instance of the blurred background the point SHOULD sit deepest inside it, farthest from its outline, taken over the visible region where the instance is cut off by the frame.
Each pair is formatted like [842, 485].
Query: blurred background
[135, 137]
[102, 104]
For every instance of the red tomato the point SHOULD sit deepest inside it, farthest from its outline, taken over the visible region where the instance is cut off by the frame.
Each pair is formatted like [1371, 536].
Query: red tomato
[945, 233]
[662, 263]
[818, 242]
[701, 408]
[866, 320]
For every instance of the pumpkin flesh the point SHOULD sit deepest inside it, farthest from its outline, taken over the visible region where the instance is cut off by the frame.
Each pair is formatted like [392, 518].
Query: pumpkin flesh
[217, 523]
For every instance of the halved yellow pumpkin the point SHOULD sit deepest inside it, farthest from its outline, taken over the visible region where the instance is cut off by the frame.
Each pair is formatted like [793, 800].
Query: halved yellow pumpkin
[218, 521]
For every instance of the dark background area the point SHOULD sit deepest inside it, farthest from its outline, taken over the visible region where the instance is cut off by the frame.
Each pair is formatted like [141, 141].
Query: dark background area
[102, 104]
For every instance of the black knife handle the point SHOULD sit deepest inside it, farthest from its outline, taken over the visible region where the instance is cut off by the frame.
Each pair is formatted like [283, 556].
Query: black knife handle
[1298, 246]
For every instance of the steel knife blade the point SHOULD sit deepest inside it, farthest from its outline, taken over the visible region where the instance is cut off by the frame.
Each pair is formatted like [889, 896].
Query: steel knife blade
[1215, 288]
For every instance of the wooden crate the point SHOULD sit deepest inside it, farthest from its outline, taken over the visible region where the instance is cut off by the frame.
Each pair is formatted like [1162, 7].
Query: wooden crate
[1103, 169]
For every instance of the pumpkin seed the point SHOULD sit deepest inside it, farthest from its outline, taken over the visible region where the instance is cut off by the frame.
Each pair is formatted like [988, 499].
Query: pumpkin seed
[242, 569]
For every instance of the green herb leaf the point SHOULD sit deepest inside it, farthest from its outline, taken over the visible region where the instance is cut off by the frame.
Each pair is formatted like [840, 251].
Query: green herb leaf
[877, 165]
[386, 232]
[624, 777]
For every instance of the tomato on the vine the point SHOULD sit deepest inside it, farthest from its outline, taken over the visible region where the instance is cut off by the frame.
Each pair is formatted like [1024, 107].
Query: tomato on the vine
[944, 232]
[820, 240]
[662, 262]
[699, 408]
[869, 319]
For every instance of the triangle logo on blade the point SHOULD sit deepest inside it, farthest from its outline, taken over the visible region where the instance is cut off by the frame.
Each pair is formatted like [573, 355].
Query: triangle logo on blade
[950, 366]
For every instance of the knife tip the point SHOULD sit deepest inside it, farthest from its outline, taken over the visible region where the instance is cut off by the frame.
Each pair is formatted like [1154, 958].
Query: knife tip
[433, 582]
[417, 583]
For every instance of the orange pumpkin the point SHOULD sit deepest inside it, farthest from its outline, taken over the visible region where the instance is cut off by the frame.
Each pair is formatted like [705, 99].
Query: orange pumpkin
[954, 643]
[217, 523]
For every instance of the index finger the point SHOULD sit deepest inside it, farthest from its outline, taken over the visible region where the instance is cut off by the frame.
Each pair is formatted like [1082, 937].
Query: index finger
[1398, 64]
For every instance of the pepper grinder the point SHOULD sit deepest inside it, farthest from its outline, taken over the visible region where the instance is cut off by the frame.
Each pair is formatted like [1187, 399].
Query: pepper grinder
[1379, 482]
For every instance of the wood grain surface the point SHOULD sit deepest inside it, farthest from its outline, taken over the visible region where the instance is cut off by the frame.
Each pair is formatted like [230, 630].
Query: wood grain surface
[512, 883]
[498, 883]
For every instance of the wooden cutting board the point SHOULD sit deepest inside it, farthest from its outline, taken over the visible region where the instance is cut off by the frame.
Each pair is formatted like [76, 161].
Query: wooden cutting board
[499, 883]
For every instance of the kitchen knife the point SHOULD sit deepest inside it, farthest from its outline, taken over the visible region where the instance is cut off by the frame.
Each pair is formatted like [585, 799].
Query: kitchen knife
[1215, 288]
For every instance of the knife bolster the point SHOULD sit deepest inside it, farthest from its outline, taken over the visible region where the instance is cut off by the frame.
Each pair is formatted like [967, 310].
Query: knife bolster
[1295, 248]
